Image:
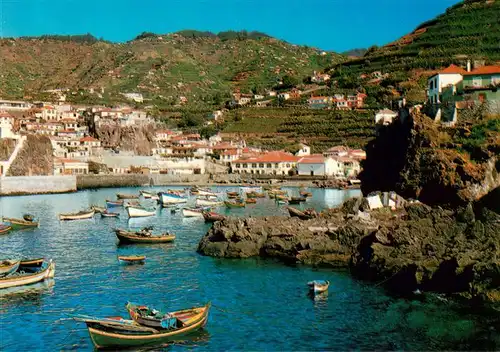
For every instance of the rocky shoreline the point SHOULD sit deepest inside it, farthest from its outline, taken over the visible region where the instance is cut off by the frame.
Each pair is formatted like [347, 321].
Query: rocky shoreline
[413, 248]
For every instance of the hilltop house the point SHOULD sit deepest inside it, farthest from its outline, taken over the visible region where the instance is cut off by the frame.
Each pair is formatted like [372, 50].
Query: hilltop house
[304, 150]
[435, 84]
[319, 165]
[320, 102]
[7, 125]
[320, 78]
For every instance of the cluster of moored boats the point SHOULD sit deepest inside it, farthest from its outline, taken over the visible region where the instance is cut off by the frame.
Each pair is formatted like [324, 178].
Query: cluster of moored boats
[147, 326]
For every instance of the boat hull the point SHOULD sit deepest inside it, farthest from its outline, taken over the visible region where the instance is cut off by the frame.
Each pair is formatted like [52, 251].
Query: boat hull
[190, 213]
[104, 339]
[5, 229]
[10, 267]
[68, 217]
[132, 260]
[213, 217]
[17, 224]
[172, 199]
[110, 203]
[234, 205]
[132, 238]
[43, 274]
[127, 196]
[208, 203]
[139, 213]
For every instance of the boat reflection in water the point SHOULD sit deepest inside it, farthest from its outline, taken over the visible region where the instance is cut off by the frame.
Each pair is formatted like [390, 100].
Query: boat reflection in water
[26, 293]
[318, 297]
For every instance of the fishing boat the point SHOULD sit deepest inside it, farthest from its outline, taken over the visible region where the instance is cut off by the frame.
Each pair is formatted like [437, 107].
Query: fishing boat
[281, 197]
[232, 194]
[82, 215]
[31, 263]
[4, 229]
[170, 198]
[26, 222]
[132, 259]
[318, 286]
[133, 203]
[126, 196]
[230, 204]
[208, 203]
[114, 203]
[8, 266]
[212, 217]
[97, 209]
[146, 194]
[119, 333]
[109, 214]
[251, 200]
[153, 318]
[303, 215]
[192, 212]
[305, 194]
[27, 277]
[136, 212]
[207, 192]
[143, 237]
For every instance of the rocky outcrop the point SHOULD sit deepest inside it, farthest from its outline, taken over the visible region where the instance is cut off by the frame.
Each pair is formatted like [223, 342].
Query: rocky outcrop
[139, 139]
[34, 159]
[418, 247]
[420, 160]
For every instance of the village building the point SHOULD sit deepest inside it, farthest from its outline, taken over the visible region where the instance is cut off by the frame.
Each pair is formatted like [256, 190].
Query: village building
[14, 105]
[449, 76]
[7, 123]
[270, 163]
[319, 165]
[304, 150]
[320, 78]
[63, 166]
[385, 117]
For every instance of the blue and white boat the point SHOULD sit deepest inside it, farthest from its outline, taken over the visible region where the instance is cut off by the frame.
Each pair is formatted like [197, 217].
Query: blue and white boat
[169, 198]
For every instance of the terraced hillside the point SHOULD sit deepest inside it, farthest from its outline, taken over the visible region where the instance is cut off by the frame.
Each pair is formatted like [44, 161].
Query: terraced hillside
[278, 128]
[204, 68]
[467, 30]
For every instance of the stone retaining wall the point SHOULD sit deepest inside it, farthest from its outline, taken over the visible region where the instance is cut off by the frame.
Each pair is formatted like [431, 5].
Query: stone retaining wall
[17, 185]
[100, 181]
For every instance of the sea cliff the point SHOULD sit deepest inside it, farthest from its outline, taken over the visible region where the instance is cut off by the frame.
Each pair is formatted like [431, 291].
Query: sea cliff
[415, 247]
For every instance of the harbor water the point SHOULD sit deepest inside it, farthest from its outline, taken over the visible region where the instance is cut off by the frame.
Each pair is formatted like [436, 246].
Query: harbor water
[257, 304]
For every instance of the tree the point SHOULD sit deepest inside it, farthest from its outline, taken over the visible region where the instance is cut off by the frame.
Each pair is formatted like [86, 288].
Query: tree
[289, 82]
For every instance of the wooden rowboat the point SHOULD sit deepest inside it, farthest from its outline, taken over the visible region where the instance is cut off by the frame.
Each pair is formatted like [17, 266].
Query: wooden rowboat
[303, 215]
[114, 203]
[126, 196]
[132, 259]
[85, 214]
[134, 212]
[305, 194]
[232, 194]
[192, 212]
[138, 237]
[251, 200]
[318, 286]
[297, 200]
[212, 217]
[32, 263]
[108, 214]
[20, 223]
[118, 333]
[8, 266]
[234, 204]
[4, 229]
[145, 316]
[18, 278]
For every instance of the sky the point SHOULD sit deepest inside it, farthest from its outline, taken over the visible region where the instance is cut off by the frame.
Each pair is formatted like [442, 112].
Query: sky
[335, 25]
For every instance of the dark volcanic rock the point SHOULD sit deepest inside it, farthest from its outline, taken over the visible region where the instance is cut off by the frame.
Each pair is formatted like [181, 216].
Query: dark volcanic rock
[419, 247]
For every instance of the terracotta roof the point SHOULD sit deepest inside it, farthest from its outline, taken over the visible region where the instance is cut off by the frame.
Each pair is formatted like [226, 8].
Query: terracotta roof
[271, 157]
[230, 152]
[5, 114]
[485, 70]
[222, 146]
[452, 69]
[338, 148]
[88, 139]
[312, 159]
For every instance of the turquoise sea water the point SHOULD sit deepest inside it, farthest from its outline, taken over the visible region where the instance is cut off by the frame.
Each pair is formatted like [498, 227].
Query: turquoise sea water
[258, 304]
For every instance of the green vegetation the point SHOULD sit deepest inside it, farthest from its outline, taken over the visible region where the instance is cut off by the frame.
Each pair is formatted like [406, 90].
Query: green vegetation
[204, 68]
[467, 30]
[79, 38]
[284, 128]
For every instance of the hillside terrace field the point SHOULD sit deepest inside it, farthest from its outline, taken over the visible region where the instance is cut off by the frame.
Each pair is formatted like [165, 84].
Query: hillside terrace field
[278, 128]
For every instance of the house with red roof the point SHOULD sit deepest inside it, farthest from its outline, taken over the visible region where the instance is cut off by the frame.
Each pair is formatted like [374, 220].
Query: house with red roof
[270, 163]
[64, 166]
[90, 142]
[451, 75]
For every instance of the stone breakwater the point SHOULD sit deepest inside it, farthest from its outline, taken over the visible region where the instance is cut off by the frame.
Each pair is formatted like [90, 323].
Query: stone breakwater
[418, 247]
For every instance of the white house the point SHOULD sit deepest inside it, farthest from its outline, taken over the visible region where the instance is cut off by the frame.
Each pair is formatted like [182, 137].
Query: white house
[284, 96]
[304, 150]
[6, 125]
[49, 113]
[137, 97]
[271, 163]
[70, 167]
[14, 105]
[90, 142]
[385, 117]
[258, 97]
[272, 93]
[435, 84]
[319, 165]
